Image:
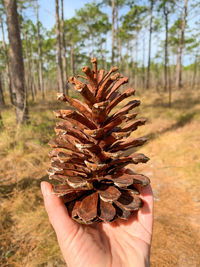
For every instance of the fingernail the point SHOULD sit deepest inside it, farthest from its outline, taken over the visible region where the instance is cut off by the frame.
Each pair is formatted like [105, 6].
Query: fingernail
[44, 189]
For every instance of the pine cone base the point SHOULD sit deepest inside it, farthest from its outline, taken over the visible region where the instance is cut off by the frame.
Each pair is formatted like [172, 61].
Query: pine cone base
[88, 155]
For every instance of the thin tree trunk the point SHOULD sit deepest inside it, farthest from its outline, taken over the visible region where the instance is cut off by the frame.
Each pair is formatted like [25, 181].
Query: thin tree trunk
[105, 61]
[16, 58]
[149, 55]
[33, 71]
[2, 101]
[89, 46]
[170, 87]
[28, 67]
[92, 38]
[132, 63]
[173, 75]
[157, 78]
[180, 50]
[40, 61]
[132, 60]
[8, 72]
[1, 121]
[72, 58]
[127, 57]
[143, 63]
[64, 62]
[166, 12]
[102, 54]
[58, 46]
[113, 32]
[118, 41]
[136, 63]
[194, 73]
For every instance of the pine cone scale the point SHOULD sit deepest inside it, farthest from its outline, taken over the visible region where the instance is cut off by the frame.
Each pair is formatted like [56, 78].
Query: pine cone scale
[87, 210]
[120, 82]
[109, 194]
[107, 211]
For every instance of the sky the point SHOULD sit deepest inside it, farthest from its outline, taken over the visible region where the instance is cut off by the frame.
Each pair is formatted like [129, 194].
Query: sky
[47, 10]
[47, 14]
[47, 17]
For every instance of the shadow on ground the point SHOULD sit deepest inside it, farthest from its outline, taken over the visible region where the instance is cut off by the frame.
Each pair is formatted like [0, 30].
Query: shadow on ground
[22, 185]
[181, 122]
[185, 102]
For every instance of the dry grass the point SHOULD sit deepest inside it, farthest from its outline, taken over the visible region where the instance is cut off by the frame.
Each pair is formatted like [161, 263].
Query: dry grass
[26, 237]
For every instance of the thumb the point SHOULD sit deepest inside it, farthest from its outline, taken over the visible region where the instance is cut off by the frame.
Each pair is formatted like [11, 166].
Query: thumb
[145, 214]
[63, 225]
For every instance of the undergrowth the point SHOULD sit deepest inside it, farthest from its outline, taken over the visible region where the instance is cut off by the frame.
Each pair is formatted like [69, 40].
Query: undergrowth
[26, 238]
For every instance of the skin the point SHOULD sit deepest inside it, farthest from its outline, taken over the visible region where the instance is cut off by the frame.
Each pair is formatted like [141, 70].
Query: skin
[117, 244]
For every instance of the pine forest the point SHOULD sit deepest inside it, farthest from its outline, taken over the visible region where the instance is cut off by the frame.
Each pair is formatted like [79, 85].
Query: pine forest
[43, 45]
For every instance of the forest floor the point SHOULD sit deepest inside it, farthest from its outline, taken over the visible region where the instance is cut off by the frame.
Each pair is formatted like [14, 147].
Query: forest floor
[26, 237]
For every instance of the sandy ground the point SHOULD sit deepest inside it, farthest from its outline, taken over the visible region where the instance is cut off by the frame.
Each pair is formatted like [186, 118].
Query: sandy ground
[176, 235]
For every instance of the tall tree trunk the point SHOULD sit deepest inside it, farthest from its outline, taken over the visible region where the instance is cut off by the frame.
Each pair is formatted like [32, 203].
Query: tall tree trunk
[136, 62]
[118, 40]
[170, 86]
[92, 38]
[40, 61]
[132, 61]
[105, 61]
[127, 59]
[180, 50]
[1, 121]
[157, 78]
[58, 46]
[2, 101]
[33, 71]
[64, 51]
[8, 72]
[149, 55]
[28, 73]
[102, 54]
[16, 58]
[113, 32]
[143, 62]
[166, 12]
[72, 58]
[195, 72]
[89, 45]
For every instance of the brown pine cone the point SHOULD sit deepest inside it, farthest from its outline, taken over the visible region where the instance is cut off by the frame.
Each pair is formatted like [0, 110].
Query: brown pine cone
[88, 155]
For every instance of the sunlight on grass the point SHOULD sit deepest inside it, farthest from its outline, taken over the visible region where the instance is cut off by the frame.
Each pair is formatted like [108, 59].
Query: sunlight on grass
[27, 237]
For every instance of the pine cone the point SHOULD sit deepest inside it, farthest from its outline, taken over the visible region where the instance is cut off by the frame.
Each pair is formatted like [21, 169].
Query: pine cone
[88, 150]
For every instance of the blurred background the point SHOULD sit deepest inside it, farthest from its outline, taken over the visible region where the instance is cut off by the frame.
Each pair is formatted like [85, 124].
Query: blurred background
[156, 43]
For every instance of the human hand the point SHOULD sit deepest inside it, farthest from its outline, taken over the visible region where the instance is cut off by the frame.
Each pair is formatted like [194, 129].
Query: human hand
[117, 244]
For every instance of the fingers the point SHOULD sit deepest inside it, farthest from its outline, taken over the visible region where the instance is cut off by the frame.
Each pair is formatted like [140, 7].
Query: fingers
[145, 214]
[57, 212]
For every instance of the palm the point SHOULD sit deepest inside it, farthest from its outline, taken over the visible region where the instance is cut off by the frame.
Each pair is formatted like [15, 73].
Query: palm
[121, 243]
